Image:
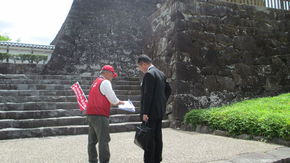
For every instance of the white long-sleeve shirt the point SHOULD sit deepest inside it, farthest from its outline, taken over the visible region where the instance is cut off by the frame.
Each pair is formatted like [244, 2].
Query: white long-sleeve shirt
[107, 90]
[150, 67]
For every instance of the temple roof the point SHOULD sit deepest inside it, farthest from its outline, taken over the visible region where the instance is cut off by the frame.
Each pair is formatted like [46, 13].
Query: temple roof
[36, 46]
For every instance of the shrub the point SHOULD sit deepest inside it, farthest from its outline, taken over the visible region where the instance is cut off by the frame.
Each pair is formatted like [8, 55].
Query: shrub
[268, 117]
[4, 56]
[39, 58]
[31, 58]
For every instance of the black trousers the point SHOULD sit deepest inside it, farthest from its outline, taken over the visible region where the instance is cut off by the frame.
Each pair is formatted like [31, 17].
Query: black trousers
[154, 153]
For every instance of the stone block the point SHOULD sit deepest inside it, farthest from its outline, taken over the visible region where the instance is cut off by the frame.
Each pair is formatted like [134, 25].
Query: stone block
[244, 136]
[175, 124]
[220, 133]
[258, 138]
[198, 128]
[211, 83]
[188, 127]
[205, 129]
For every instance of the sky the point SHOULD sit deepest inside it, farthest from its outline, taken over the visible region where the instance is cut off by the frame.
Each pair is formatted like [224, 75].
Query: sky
[33, 21]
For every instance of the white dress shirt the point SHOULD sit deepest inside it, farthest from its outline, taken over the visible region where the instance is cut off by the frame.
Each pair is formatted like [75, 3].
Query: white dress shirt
[107, 90]
[150, 67]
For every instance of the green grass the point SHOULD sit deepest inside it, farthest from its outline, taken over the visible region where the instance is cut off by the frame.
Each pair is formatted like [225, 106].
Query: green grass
[268, 117]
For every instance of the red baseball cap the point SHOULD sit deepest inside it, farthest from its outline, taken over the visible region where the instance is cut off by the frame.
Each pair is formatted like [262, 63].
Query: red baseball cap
[110, 68]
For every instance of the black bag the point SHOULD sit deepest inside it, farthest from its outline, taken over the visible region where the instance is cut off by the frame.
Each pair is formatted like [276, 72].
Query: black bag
[143, 136]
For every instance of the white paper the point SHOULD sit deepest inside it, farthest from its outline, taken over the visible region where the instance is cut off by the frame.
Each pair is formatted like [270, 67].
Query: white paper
[128, 106]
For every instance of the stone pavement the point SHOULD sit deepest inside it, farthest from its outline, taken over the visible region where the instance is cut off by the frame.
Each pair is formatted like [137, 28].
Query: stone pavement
[179, 147]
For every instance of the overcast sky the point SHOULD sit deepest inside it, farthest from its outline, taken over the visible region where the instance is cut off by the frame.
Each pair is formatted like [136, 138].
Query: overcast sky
[33, 21]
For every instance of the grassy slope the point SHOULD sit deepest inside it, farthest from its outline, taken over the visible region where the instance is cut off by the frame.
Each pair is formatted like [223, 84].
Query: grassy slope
[268, 117]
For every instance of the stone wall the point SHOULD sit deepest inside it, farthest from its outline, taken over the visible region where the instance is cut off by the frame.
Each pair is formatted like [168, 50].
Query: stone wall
[98, 32]
[11, 68]
[213, 52]
[217, 52]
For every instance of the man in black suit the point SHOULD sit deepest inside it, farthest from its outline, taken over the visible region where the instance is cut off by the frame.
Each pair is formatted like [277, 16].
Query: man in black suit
[155, 92]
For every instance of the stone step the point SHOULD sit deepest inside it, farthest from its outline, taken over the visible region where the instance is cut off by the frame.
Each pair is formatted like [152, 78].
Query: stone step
[58, 87]
[57, 92]
[21, 99]
[67, 82]
[13, 133]
[44, 105]
[38, 114]
[114, 110]
[39, 77]
[62, 121]
[58, 77]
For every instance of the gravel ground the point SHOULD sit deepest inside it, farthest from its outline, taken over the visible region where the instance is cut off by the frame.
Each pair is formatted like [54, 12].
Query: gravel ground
[179, 147]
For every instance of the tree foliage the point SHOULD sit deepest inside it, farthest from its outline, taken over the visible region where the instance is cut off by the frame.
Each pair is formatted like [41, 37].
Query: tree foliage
[4, 38]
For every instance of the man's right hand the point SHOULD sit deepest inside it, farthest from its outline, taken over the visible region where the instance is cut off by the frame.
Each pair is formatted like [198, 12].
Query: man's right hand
[145, 117]
[121, 103]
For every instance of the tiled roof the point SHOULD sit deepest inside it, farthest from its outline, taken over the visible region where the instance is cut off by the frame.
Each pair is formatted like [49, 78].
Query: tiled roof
[36, 46]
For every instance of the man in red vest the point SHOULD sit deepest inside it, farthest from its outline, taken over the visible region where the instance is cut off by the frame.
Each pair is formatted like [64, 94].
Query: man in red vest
[101, 97]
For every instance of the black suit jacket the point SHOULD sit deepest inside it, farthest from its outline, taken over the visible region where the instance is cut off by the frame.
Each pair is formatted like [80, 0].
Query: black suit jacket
[155, 91]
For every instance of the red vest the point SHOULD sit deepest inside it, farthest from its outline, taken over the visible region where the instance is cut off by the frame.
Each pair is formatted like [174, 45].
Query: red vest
[98, 103]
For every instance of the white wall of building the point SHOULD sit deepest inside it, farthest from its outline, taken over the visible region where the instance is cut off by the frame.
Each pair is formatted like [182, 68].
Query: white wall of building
[20, 48]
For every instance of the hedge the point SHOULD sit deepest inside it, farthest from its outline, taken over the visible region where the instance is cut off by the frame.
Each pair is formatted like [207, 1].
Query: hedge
[31, 58]
[4, 56]
[268, 117]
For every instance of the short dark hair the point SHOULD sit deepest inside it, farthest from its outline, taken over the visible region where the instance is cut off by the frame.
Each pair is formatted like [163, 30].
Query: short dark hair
[144, 59]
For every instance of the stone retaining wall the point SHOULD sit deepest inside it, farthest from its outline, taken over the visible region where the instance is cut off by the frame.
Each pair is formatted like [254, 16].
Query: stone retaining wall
[207, 130]
[213, 52]
[217, 52]
[99, 32]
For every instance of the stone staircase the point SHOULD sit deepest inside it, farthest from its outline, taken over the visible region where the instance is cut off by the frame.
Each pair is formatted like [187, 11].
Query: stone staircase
[44, 105]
